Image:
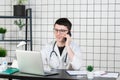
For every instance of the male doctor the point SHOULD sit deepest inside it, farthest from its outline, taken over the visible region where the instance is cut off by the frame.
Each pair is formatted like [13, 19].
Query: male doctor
[62, 53]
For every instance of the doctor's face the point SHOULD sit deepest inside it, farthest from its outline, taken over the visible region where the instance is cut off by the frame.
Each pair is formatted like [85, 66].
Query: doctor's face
[60, 32]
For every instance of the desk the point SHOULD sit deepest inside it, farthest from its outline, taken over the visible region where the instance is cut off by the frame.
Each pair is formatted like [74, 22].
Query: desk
[61, 76]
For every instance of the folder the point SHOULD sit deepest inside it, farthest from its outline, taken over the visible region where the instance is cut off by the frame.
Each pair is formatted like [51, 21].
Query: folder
[10, 71]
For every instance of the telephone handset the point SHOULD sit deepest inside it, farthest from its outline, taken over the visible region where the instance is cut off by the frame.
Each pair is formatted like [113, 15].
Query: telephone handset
[69, 34]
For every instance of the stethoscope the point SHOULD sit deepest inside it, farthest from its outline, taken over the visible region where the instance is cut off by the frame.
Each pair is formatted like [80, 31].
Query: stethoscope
[54, 54]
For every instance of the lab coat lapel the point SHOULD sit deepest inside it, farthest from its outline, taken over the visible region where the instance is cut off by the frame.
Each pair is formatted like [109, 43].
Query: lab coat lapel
[64, 53]
[63, 62]
[57, 51]
[61, 58]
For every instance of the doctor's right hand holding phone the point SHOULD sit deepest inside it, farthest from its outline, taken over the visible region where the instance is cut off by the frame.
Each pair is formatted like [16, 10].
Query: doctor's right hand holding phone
[62, 53]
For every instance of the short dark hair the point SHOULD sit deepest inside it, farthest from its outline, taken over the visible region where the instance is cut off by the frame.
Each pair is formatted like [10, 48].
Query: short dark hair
[65, 22]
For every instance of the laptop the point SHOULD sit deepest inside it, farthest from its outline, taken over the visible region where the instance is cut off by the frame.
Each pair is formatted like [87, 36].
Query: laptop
[31, 62]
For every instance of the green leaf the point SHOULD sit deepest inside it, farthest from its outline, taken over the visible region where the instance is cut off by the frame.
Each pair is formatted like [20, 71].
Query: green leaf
[3, 52]
[19, 23]
[3, 30]
[21, 2]
[90, 68]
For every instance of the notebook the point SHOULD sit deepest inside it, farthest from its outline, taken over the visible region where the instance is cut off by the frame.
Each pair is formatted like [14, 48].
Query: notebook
[10, 71]
[31, 62]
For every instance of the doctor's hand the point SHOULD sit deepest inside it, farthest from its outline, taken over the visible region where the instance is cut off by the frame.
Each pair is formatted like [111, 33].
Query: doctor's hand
[67, 44]
[68, 40]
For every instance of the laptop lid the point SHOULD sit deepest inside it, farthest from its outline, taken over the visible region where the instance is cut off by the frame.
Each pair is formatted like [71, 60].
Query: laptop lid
[30, 62]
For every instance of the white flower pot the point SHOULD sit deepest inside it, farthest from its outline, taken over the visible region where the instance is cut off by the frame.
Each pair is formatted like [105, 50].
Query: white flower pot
[2, 36]
[90, 75]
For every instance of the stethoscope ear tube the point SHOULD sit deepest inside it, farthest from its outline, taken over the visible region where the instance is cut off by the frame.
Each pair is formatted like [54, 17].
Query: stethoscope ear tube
[65, 60]
[53, 51]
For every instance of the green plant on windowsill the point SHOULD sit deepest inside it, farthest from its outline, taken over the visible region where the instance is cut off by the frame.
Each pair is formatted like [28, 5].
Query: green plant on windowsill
[19, 23]
[3, 52]
[90, 68]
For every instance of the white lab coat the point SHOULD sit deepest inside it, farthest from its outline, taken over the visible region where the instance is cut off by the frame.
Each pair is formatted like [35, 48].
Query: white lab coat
[57, 62]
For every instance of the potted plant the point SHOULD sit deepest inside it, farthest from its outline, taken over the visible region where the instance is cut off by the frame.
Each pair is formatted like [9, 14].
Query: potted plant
[90, 69]
[3, 52]
[20, 25]
[19, 8]
[2, 33]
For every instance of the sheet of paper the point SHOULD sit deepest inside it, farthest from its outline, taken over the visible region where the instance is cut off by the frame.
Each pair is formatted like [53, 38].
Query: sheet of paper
[76, 72]
[101, 74]
[111, 75]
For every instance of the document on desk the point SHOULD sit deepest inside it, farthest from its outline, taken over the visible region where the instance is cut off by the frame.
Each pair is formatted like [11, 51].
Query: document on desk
[110, 75]
[106, 74]
[76, 72]
[101, 73]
